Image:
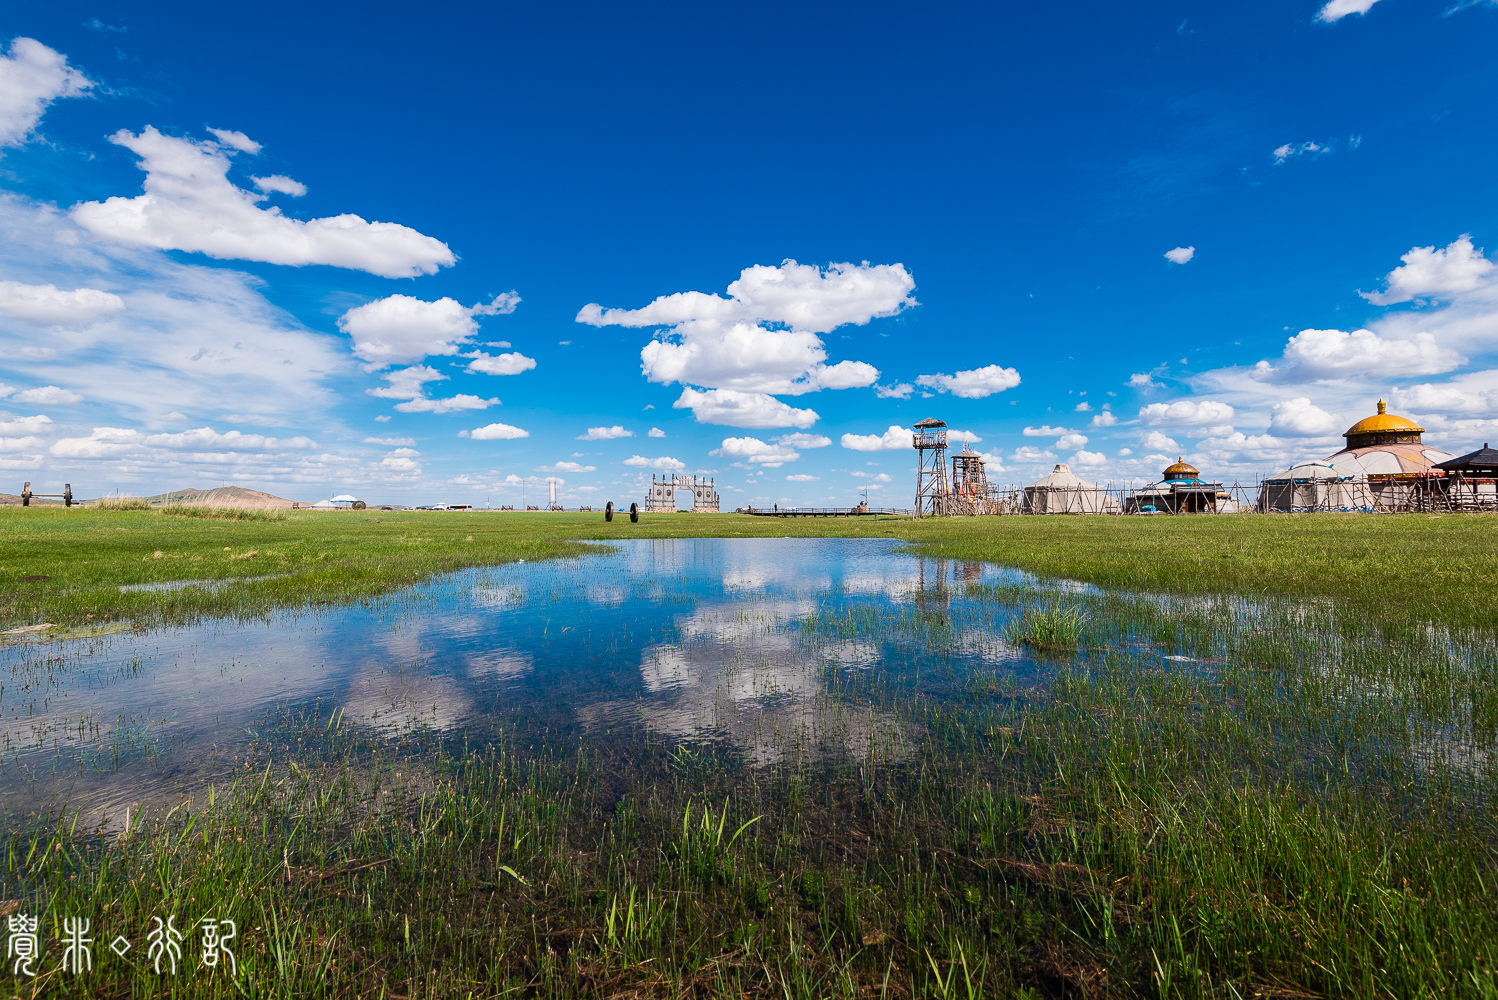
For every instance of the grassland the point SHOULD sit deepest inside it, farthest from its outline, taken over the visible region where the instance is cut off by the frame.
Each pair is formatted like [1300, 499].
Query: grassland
[1441, 568]
[1301, 802]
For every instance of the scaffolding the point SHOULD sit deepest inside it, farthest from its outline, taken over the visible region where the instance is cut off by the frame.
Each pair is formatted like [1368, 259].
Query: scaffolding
[969, 491]
[930, 443]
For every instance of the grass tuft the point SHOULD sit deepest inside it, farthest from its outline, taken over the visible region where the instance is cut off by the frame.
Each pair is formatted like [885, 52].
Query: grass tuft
[220, 513]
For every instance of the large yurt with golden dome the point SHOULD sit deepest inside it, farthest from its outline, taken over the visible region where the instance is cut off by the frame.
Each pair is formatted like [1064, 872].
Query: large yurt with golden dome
[1388, 450]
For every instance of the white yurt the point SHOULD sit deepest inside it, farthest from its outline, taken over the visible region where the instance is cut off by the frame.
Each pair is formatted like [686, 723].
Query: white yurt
[1308, 486]
[1064, 492]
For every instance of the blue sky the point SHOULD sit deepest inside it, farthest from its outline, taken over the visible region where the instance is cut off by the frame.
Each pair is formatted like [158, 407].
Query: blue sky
[425, 256]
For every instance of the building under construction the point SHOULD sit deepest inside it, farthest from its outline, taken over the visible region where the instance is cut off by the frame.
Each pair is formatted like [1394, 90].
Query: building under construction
[965, 492]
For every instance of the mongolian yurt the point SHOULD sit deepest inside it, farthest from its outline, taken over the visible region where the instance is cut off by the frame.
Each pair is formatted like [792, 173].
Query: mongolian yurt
[1181, 490]
[1064, 492]
[1387, 449]
[1311, 486]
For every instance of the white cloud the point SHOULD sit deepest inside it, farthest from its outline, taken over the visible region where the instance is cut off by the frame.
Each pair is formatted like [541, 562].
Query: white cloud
[978, 383]
[1104, 419]
[1290, 150]
[900, 390]
[392, 442]
[801, 440]
[401, 330]
[1326, 354]
[115, 442]
[896, 438]
[1125, 452]
[1082, 407]
[1335, 10]
[1156, 441]
[567, 467]
[1180, 255]
[409, 384]
[11, 445]
[499, 364]
[664, 462]
[279, 184]
[608, 433]
[190, 204]
[1045, 431]
[1089, 458]
[12, 424]
[757, 452]
[32, 76]
[962, 437]
[1069, 441]
[764, 337]
[1186, 413]
[656, 432]
[755, 410]
[231, 139]
[1140, 380]
[497, 432]
[1427, 273]
[452, 404]
[1299, 417]
[48, 395]
[48, 305]
[802, 478]
[877, 477]
[1030, 455]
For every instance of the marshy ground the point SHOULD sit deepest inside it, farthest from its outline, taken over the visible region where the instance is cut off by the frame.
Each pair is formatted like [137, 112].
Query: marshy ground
[1255, 757]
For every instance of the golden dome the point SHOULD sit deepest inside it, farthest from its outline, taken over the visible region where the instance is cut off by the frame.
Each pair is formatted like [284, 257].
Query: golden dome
[1180, 470]
[1384, 422]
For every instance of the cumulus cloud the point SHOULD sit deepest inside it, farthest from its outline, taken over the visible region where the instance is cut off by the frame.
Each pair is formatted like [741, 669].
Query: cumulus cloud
[802, 478]
[497, 432]
[1156, 441]
[1328, 354]
[190, 204]
[1186, 413]
[1069, 441]
[12, 424]
[1299, 417]
[962, 437]
[567, 467]
[976, 384]
[401, 330]
[900, 390]
[656, 432]
[801, 440]
[609, 433]
[115, 442]
[728, 407]
[1429, 273]
[1030, 454]
[877, 477]
[279, 184]
[1335, 10]
[392, 442]
[1104, 419]
[756, 452]
[1180, 255]
[895, 439]
[48, 395]
[1089, 458]
[1045, 430]
[664, 462]
[48, 305]
[409, 384]
[32, 76]
[1141, 380]
[764, 337]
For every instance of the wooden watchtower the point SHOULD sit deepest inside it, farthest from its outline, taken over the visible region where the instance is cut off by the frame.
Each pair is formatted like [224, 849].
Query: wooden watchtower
[930, 443]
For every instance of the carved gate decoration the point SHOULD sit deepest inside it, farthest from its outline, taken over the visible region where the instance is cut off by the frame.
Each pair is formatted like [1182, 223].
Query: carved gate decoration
[662, 495]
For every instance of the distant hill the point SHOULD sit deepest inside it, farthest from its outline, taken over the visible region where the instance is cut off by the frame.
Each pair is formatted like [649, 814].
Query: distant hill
[14, 500]
[219, 496]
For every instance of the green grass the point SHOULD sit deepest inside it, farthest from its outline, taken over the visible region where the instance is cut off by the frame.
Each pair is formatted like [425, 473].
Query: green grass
[1441, 568]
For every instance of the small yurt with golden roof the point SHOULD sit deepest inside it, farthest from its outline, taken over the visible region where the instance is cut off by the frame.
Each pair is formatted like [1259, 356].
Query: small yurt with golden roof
[1387, 449]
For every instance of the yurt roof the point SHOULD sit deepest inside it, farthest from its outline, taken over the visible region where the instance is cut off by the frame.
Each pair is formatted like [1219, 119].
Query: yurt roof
[1062, 478]
[1384, 422]
[1181, 470]
[1484, 456]
[1389, 460]
[1308, 470]
[344, 497]
[324, 504]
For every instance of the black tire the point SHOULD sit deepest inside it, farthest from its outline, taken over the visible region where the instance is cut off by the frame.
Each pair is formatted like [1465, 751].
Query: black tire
[634, 513]
[608, 511]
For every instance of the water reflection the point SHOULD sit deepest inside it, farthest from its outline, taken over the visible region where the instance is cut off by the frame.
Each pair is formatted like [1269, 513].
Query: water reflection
[703, 638]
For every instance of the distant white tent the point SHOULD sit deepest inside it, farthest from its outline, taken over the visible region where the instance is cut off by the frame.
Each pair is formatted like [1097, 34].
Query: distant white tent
[1064, 492]
[1318, 486]
[344, 498]
[324, 505]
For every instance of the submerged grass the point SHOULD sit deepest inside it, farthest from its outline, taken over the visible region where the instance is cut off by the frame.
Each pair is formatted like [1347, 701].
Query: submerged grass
[1209, 798]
